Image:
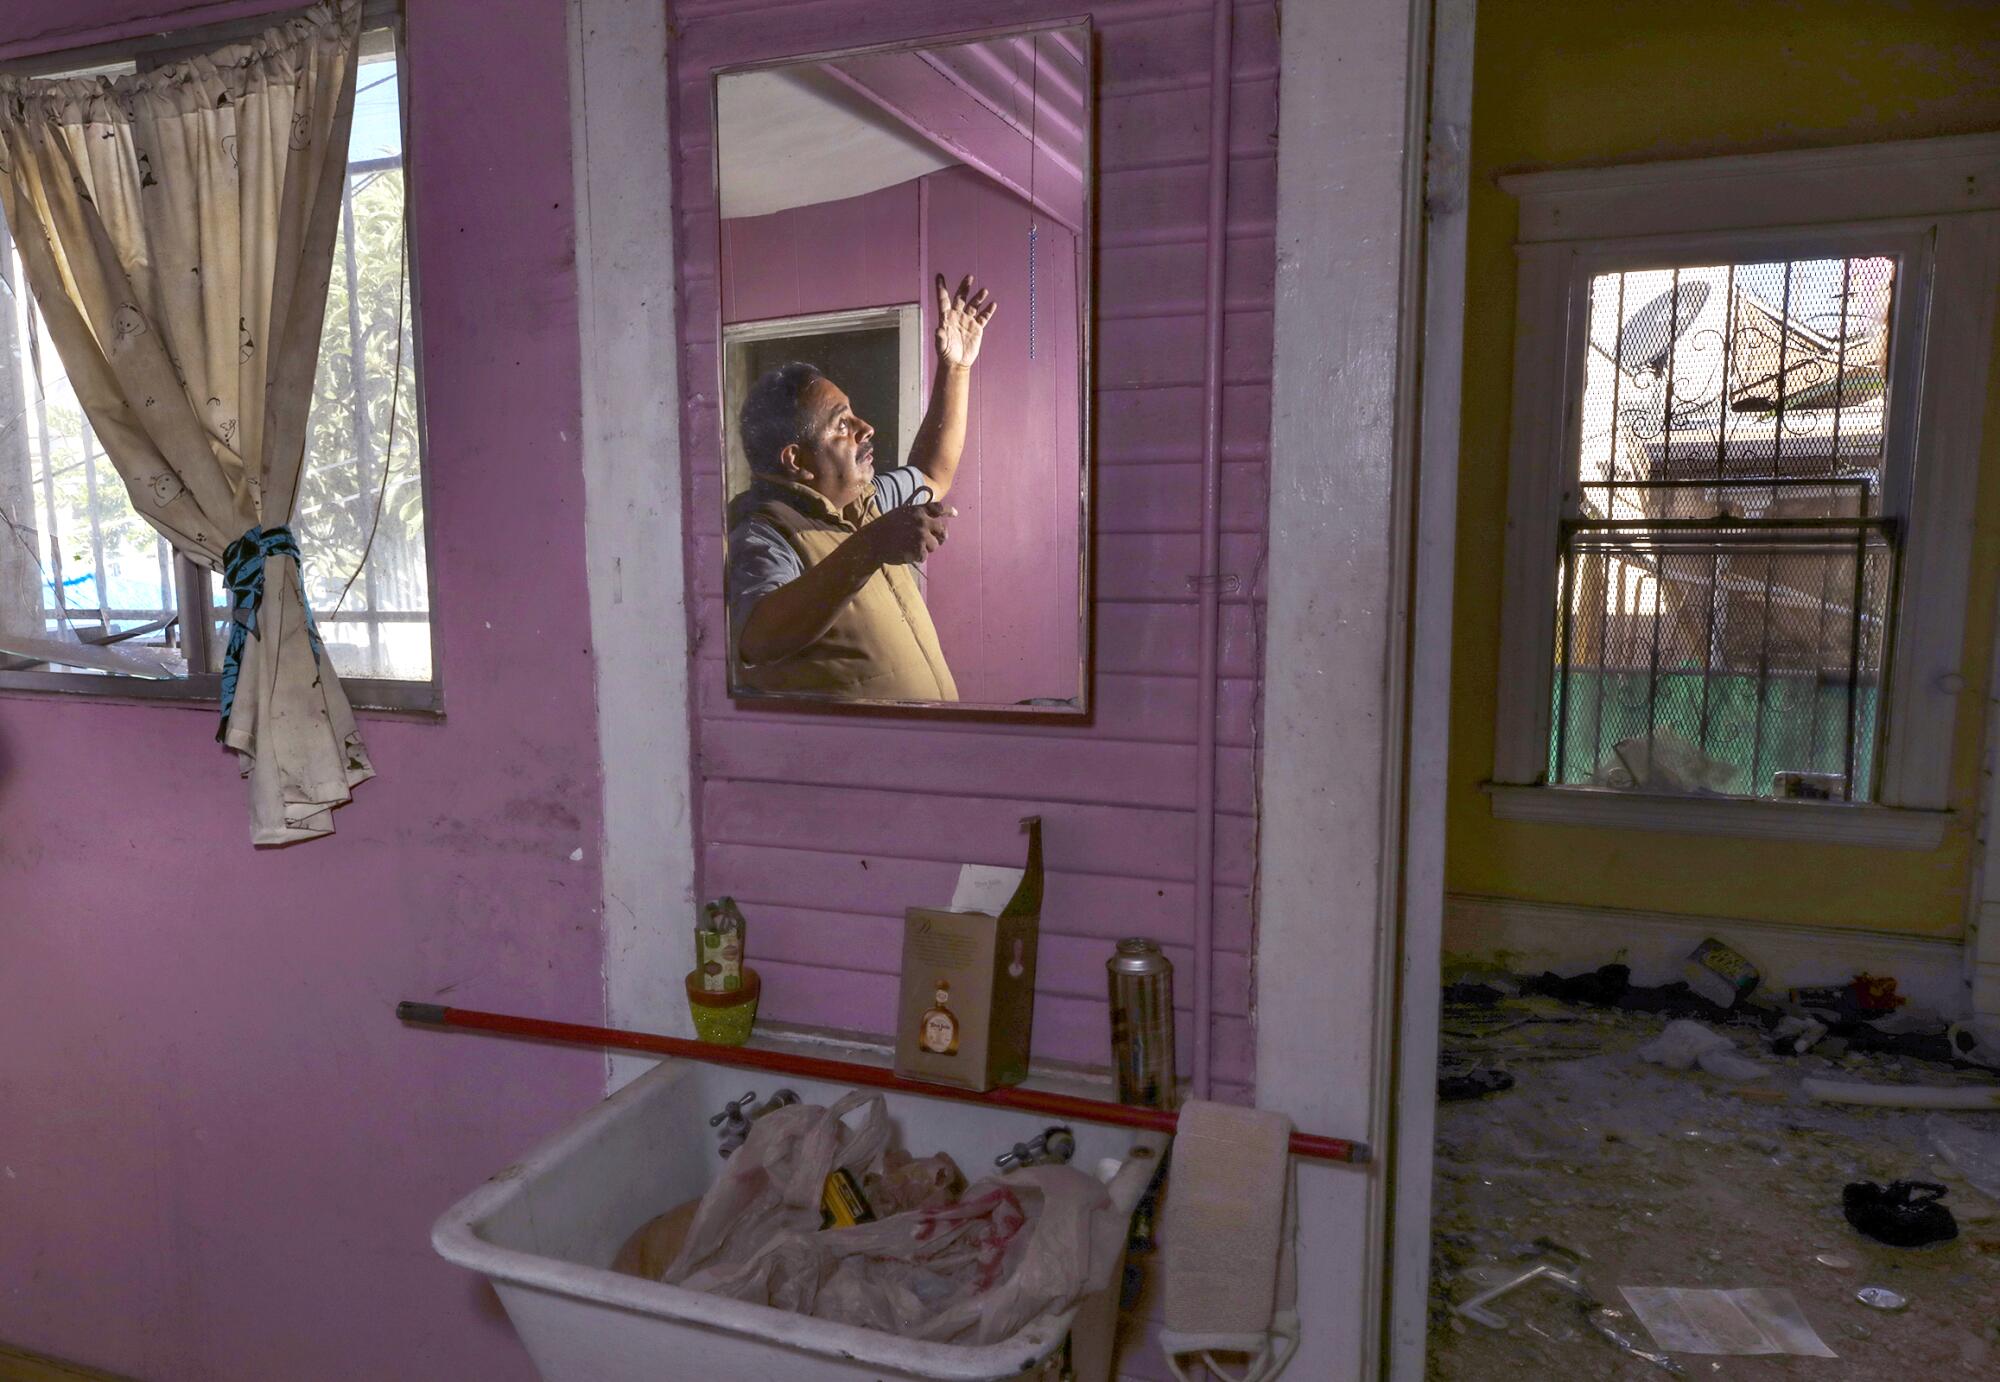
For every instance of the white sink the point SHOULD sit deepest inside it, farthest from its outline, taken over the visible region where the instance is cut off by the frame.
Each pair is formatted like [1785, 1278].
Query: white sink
[546, 1229]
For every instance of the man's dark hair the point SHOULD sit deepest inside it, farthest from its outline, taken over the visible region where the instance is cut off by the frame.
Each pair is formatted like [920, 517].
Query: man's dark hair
[770, 419]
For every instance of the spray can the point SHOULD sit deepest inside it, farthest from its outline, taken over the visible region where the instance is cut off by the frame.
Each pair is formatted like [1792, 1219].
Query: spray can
[1142, 1024]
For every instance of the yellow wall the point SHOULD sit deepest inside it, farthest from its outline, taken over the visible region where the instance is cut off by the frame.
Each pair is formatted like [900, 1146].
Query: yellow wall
[1615, 81]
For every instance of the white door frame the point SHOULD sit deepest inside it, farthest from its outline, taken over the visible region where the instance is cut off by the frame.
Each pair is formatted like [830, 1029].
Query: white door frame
[1364, 471]
[621, 151]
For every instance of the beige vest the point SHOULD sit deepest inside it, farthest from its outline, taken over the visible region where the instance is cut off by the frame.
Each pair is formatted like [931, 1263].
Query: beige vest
[881, 646]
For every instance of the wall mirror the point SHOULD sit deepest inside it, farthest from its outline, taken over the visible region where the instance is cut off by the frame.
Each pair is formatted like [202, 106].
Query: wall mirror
[904, 265]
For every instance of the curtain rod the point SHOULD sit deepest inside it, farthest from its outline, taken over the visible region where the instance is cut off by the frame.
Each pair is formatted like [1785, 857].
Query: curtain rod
[186, 27]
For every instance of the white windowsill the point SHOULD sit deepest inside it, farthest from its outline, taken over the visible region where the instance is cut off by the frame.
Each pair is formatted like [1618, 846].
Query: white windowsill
[1818, 822]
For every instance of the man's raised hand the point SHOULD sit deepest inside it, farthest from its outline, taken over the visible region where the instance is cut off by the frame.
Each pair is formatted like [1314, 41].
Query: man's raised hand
[962, 318]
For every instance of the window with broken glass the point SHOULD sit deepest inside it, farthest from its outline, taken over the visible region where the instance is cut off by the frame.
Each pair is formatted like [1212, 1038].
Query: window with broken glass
[79, 568]
[1730, 532]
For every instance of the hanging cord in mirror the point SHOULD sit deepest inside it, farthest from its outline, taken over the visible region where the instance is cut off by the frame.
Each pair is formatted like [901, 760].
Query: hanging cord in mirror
[1034, 147]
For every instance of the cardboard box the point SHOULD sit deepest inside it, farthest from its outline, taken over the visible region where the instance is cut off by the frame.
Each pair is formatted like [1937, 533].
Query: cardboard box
[966, 1016]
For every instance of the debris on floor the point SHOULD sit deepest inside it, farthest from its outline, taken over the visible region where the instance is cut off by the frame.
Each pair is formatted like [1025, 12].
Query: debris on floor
[1904, 1214]
[1705, 1175]
[1686, 1044]
[1703, 1320]
[1470, 1084]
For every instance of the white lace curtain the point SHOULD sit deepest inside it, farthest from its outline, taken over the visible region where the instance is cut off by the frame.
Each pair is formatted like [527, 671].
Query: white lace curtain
[177, 231]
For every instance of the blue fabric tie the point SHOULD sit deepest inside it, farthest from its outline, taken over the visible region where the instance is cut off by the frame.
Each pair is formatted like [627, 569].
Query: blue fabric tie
[243, 572]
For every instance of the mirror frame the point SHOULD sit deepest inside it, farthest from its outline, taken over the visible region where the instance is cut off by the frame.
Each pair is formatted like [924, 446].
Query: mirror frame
[1080, 706]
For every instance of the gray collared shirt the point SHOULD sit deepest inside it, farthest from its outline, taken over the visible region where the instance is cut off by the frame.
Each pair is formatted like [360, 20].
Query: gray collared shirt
[760, 560]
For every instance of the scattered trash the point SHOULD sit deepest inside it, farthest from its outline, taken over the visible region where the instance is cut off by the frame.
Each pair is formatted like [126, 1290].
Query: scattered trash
[1611, 986]
[841, 1203]
[1973, 1154]
[1605, 1321]
[1903, 1214]
[1880, 1298]
[1721, 975]
[1909, 1021]
[1654, 1171]
[1474, 994]
[1743, 1322]
[1971, 1097]
[1797, 1035]
[1475, 1308]
[1473, 1084]
[654, 1244]
[1663, 761]
[1974, 1044]
[905, 1183]
[1601, 988]
[1836, 1000]
[1874, 993]
[1684, 1045]
[1546, 1246]
[1789, 785]
[975, 1270]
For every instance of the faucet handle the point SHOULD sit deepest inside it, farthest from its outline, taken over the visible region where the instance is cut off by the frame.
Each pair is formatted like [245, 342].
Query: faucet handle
[1057, 1144]
[733, 1113]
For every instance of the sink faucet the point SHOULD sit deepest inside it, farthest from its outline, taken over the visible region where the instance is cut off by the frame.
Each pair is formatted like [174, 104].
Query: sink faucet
[734, 1121]
[1057, 1145]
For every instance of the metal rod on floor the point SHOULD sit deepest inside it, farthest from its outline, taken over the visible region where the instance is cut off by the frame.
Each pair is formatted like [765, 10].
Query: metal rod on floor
[1069, 1106]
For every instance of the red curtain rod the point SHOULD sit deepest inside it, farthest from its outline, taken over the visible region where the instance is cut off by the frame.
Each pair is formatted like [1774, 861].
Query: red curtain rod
[1068, 1106]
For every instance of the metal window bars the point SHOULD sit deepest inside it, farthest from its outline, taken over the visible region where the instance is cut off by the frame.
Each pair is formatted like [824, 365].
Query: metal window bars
[1723, 636]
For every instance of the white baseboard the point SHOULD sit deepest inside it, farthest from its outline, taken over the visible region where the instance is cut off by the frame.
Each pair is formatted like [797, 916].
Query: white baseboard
[1529, 937]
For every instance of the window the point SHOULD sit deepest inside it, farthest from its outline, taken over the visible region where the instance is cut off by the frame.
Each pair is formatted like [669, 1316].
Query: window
[1725, 555]
[1745, 451]
[78, 562]
[876, 353]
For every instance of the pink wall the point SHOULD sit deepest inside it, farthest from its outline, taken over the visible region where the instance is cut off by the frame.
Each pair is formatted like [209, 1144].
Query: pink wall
[1004, 590]
[221, 1154]
[827, 826]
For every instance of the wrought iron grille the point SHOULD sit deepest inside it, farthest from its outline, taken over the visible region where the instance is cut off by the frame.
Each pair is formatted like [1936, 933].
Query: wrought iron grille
[1728, 557]
[1723, 653]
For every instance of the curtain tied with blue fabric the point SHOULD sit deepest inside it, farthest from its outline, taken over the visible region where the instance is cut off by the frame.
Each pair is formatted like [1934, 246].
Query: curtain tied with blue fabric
[243, 574]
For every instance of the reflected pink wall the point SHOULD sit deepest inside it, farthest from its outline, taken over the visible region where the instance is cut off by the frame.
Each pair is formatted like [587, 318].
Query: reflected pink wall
[1003, 590]
[221, 1154]
[857, 252]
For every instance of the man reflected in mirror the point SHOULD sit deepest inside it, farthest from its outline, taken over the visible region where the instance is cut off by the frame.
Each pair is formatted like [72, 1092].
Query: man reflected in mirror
[821, 597]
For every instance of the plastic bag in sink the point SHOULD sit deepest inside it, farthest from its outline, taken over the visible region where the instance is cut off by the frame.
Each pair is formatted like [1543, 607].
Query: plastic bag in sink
[976, 1271]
